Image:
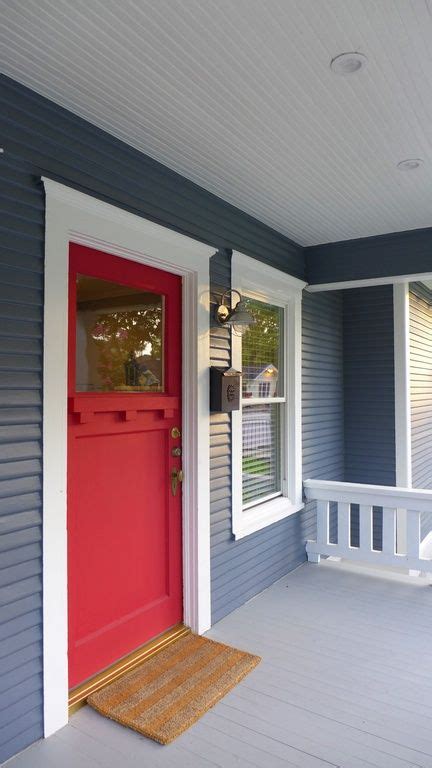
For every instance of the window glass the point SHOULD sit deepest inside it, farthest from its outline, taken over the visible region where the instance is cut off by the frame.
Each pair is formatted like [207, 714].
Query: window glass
[261, 451]
[262, 366]
[261, 351]
[119, 338]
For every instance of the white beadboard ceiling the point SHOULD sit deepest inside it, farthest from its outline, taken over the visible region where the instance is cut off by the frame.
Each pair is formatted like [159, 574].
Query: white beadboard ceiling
[237, 95]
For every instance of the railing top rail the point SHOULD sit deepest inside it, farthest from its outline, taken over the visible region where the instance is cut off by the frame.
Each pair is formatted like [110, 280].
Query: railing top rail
[373, 495]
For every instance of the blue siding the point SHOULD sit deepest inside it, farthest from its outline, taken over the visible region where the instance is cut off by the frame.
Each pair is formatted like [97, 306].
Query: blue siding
[323, 392]
[21, 285]
[241, 569]
[400, 253]
[369, 395]
[421, 391]
[369, 386]
[54, 142]
[41, 138]
[323, 389]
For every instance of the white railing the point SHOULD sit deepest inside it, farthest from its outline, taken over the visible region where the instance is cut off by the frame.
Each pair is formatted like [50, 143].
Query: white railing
[401, 511]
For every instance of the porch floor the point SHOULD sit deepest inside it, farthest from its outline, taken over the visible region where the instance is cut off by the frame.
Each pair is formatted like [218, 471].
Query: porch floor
[346, 680]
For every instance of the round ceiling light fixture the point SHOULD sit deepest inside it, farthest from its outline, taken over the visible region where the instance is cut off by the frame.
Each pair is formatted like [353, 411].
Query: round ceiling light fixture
[411, 164]
[348, 63]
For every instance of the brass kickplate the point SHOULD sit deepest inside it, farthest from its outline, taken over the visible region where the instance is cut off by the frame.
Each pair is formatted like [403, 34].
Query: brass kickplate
[78, 695]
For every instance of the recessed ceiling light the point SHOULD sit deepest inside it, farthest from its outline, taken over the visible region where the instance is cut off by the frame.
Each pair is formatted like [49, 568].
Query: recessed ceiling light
[348, 63]
[410, 165]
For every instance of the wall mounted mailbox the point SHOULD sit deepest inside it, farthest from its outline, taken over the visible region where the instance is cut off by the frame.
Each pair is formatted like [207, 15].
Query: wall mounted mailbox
[225, 386]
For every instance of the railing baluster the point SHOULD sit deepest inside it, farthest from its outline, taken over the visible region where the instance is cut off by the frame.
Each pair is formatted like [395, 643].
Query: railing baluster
[389, 530]
[413, 534]
[344, 521]
[322, 522]
[365, 527]
[397, 504]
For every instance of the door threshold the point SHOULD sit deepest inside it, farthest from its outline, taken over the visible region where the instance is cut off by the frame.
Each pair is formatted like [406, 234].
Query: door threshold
[78, 695]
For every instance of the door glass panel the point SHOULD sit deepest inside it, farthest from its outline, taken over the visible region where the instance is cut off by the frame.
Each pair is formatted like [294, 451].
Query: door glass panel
[119, 338]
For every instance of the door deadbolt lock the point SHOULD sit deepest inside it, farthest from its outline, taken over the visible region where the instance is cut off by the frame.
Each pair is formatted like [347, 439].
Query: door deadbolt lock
[176, 451]
[176, 478]
[175, 433]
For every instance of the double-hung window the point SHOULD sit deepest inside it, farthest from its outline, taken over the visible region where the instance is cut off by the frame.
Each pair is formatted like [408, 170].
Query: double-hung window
[266, 468]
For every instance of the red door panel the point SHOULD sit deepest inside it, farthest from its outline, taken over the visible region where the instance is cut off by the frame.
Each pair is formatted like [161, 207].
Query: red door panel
[124, 523]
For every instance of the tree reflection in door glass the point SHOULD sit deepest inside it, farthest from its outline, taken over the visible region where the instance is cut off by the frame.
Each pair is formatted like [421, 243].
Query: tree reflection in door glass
[119, 338]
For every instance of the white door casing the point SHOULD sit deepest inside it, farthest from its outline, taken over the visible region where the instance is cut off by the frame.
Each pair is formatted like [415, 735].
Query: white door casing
[72, 216]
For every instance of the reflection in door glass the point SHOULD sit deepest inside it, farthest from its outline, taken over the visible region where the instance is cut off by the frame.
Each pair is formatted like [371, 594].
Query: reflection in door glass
[119, 338]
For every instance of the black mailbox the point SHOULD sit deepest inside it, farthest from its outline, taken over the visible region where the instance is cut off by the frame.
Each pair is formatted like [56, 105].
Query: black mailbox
[224, 389]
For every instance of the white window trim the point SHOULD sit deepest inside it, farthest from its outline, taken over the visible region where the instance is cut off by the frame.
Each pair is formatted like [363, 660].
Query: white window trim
[75, 217]
[264, 283]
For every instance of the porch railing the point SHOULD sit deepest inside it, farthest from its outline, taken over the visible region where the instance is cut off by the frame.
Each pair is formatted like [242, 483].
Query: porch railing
[400, 531]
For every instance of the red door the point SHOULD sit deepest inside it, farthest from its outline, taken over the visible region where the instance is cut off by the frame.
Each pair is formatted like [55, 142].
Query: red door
[124, 450]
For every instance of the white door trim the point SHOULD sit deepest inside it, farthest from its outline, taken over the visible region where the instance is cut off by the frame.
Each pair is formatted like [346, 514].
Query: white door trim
[72, 216]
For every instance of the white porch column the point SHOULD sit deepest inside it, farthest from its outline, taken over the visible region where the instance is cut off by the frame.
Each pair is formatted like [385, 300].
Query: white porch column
[402, 402]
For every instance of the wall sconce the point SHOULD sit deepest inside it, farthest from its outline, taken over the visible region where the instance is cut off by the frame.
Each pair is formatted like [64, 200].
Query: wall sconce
[238, 317]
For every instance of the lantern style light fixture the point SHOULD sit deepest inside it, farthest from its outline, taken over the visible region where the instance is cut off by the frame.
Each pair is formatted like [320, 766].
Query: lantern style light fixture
[238, 317]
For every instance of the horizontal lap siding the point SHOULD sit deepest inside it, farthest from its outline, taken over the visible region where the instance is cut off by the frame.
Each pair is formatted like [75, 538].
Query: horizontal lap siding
[369, 386]
[421, 391]
[322, 375]
[21, 296]
[56, 142]
[398, 253]
[322, 401]
[241, 569]
[369, 394]
[40, 138]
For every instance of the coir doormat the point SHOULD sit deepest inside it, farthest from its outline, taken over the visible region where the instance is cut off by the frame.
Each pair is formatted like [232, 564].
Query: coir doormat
[169, 692]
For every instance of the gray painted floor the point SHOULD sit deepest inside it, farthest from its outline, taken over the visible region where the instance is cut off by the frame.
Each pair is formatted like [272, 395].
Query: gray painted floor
[346, 680]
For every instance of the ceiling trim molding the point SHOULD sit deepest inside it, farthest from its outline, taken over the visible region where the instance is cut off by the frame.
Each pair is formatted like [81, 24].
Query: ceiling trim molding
[367, 282]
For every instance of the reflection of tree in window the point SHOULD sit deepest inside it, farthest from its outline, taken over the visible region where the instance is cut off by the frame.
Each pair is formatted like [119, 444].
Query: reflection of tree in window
[261, 345]
[262, 367]
[122, 334]
[261, 341]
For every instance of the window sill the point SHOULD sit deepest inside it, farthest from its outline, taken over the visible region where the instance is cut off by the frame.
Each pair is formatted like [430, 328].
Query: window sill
[263, 515]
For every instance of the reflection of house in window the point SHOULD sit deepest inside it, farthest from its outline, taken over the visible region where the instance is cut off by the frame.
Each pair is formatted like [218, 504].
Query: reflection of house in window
[257, 430]
[138, 374]
[260, 380]
[150, 372]
[264, 389]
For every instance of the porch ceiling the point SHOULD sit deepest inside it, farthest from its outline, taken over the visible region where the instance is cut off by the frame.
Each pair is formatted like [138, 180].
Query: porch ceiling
[238, 96]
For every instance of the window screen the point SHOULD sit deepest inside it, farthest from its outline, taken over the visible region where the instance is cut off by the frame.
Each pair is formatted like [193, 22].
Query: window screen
[261, 452]
[262, 345]
[262, 400]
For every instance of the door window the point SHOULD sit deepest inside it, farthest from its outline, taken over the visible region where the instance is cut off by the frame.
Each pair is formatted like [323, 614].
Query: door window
[119, 338]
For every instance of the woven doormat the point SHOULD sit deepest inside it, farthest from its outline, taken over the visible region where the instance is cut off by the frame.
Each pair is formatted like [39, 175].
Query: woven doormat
[169, 692]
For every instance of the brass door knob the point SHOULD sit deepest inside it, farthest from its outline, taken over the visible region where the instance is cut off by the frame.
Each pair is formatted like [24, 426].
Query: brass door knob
[176, 478]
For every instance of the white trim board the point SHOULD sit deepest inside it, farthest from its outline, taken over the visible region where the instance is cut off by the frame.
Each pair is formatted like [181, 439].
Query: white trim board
[369, 281]
[401, 322]
[265, 283]
[72, 216]
[401, 325]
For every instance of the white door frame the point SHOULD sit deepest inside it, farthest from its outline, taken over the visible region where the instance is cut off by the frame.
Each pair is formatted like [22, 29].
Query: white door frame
[72, 216]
